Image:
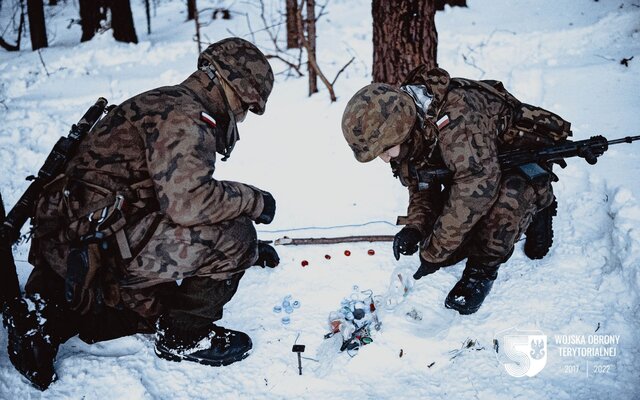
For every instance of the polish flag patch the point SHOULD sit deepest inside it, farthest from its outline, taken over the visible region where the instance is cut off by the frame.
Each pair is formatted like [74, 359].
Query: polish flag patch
[208, 119]
[442, 122]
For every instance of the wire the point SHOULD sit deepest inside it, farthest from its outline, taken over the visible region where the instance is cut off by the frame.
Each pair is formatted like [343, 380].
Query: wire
[326, 227]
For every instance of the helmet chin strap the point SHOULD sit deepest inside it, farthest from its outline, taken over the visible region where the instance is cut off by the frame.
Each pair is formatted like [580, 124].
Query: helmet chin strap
[232, 135]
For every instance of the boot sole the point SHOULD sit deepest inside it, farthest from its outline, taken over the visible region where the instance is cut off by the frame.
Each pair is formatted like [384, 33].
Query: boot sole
[166, 355]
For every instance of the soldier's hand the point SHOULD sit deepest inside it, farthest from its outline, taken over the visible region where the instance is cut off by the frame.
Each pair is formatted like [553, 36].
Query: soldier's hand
[426, 268]
[406, 242]
[269, 209]
[267, 256]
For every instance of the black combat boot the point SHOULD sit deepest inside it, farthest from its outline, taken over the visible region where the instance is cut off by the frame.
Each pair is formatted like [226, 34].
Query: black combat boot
[32, 341]
[467, 295]
[214, 345]
[540, 232]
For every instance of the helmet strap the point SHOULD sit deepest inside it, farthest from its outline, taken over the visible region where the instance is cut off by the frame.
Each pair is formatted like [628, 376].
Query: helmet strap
[232, 135]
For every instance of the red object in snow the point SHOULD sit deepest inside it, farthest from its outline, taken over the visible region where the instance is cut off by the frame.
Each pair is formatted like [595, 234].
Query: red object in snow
[304, 263]
[347, 253]
[328, 257]
[371, 252]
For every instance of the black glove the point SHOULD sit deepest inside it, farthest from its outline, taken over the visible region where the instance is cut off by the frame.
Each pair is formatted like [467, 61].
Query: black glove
[269, 209]
[426, 268]
[267, 256]
[406, 242]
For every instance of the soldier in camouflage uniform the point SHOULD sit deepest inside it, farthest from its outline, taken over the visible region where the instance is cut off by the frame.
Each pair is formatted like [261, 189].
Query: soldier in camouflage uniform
[140, 197]
[432, 123]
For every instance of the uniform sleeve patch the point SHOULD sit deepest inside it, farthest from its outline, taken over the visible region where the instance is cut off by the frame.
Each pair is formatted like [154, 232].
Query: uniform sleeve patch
[442, 122]
[208, 119]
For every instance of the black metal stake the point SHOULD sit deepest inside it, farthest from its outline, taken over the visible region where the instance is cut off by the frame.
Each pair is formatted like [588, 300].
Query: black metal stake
[299, 348]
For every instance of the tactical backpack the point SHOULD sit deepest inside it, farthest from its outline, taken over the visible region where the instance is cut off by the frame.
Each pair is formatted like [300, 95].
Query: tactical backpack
[526, 125]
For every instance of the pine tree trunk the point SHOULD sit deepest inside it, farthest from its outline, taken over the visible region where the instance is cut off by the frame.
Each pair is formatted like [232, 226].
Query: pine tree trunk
[404, 36]
[122, 22]
[311, 37]
[89, 18]
[37, 28]
[191, 9]
[293, 39]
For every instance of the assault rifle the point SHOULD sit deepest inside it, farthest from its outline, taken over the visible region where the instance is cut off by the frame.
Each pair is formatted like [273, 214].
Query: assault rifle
[528, 161]
[54, 165]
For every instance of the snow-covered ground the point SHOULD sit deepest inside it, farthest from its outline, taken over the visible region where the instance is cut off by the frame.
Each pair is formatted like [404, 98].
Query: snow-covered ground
[562, 55]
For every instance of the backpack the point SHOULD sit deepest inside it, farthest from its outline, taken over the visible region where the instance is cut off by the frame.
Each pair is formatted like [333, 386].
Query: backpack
[526, 125]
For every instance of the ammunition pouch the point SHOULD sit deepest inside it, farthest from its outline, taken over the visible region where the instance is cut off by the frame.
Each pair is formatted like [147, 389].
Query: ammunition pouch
[79, 228]
[540, 232]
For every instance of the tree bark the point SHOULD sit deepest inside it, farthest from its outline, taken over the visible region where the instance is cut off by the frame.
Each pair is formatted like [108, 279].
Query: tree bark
[191, 9]
[311, 50]
[122, 21]
[37, 27]
[404, 36]
[293, 36]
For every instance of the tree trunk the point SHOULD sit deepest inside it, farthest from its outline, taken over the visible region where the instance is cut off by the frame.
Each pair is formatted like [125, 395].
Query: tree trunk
[37, 28]
[15, 47]
[89, 18]
[293, 38]
[147, 9]
[122, 21]
[53, 2]
[191, 9]
[404, 36]
[311, 38]
[197, 21]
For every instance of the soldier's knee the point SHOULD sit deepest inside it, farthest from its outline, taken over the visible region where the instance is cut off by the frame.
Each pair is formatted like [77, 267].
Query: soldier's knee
[242, 233]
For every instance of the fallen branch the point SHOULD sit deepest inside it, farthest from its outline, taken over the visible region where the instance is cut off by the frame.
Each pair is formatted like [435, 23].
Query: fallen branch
[285, 241]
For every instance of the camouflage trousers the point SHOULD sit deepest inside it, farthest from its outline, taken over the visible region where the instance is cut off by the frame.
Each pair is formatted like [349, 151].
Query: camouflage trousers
[492, 240]
[209, 261]
[197, 255]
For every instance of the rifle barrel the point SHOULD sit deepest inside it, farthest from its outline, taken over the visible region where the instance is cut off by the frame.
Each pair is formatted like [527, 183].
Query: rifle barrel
[626, 139]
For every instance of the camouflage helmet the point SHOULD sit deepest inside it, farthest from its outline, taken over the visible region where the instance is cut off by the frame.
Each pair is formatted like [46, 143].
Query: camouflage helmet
[378, 117]
[243, 66]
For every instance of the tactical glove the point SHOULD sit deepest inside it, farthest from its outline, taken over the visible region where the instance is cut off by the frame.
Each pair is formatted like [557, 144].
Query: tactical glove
[267, 256]
[269, 209]
[406, 242]
[426, 268]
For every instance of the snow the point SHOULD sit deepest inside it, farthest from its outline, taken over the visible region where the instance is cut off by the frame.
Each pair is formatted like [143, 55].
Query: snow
[563, 55]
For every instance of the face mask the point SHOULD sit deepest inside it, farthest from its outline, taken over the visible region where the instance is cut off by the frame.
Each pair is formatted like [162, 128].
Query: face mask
[420, 96]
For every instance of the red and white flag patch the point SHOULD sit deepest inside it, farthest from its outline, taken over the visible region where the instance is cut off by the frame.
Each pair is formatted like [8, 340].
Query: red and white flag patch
[442, 122]
[208, 119]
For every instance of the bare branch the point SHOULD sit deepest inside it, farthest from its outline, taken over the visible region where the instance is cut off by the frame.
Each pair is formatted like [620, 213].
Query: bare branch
[341, 70]
[312, 59]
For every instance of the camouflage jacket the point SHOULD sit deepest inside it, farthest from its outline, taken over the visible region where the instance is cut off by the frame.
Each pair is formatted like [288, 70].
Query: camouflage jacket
[159, 150]
[460, 133]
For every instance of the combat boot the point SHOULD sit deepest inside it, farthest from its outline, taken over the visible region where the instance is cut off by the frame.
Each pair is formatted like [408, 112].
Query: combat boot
[32, 341]
[215, 346]
[467, 295]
